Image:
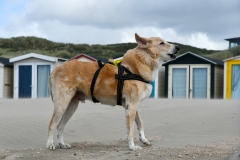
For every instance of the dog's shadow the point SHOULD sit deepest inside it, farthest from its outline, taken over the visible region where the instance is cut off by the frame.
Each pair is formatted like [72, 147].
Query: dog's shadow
[117, 145]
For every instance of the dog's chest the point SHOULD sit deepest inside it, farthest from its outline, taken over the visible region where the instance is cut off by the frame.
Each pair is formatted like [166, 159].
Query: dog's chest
[147, 92]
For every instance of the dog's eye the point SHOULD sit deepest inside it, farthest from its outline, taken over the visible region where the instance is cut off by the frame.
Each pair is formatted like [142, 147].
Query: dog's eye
[162, 43]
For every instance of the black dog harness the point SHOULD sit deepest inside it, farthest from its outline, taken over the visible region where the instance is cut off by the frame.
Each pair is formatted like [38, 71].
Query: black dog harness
[121, 78]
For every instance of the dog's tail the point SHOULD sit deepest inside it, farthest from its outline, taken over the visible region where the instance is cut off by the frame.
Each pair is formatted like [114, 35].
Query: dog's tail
[50, 86]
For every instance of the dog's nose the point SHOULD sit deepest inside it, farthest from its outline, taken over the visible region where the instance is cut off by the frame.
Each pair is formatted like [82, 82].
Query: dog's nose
[177, 48]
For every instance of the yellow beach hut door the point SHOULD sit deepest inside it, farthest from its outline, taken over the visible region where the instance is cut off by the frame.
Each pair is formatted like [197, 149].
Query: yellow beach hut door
[235, 89]
[233, 80]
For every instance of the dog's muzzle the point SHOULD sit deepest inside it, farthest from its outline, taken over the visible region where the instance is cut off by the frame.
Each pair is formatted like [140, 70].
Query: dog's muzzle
[175, 51]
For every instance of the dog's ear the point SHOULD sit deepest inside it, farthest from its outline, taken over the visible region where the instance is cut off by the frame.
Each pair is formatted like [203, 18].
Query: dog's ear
[142, 42]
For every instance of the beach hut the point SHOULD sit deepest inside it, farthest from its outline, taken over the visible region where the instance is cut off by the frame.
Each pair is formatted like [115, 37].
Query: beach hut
[31, 74]
[6, 78]
[232, 78]
[86, 58]
[193, 76]
[233, 42]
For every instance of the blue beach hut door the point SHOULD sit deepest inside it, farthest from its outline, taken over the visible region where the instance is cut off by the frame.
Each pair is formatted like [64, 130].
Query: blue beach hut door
[25, 81]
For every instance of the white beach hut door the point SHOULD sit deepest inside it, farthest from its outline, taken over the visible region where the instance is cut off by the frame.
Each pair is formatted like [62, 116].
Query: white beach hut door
[178, 81]
[43, 73]
[189, 81]
[199, 82]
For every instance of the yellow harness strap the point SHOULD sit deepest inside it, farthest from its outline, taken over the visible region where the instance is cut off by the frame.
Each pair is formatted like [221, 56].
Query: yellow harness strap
[116, 62]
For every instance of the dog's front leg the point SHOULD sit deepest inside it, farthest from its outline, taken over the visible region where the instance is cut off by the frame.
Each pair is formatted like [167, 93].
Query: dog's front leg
[130, 117]
[140, 128]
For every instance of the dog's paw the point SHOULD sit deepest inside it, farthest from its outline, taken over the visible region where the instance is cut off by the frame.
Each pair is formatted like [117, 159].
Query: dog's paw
[50, 146]
[64, 146]
[145, 141]
[134, 148]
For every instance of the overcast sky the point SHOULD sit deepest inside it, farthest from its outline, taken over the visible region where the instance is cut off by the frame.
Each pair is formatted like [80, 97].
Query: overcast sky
[199, 23]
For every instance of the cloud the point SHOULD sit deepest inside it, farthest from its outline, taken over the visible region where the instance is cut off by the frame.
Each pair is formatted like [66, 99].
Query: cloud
[188, 16]
[201, 40]
[198, 39]
[199, 23]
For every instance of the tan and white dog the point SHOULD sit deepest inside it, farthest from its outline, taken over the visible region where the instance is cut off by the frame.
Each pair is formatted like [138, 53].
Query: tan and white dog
[71, 81]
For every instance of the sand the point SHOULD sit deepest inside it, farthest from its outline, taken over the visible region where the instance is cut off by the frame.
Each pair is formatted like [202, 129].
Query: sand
[177, 129]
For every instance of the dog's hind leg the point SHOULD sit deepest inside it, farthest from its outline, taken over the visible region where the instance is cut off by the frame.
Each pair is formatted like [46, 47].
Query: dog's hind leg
[72, 107]
[61, 102]
[140, 128]
[130, 117]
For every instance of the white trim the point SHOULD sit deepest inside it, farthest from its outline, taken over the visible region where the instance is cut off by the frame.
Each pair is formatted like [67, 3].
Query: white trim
[194, 55]
[171, 67]
[155, 87]
[202, 57]
[237, 57]
[34, 55]
[192, 66]
[1, 81]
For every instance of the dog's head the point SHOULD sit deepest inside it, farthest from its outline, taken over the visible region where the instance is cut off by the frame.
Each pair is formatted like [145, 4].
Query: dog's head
[157, 47]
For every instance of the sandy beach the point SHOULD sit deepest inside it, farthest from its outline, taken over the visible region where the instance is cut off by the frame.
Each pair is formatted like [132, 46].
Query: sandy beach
[177, 129]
